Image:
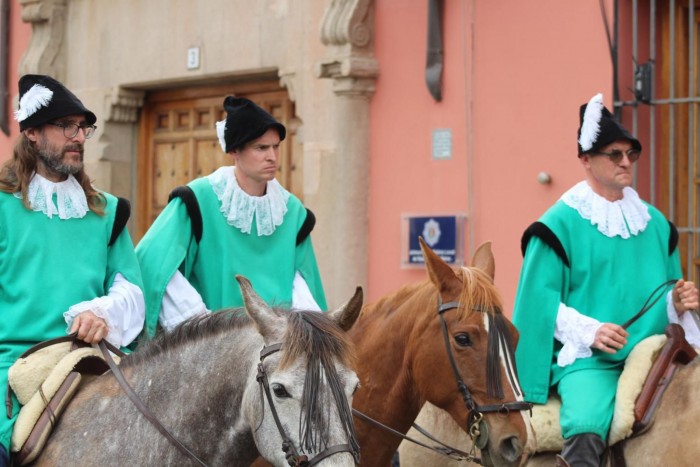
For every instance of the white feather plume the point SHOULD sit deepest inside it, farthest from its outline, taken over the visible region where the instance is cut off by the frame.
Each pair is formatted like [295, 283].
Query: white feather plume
[37, 97]
[221, 133]
[590, 128]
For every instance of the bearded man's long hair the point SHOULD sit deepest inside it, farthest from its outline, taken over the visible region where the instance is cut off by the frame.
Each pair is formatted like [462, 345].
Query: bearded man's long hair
[16, 174]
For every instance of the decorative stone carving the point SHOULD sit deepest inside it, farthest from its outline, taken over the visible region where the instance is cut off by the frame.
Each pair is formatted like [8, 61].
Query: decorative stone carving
[45, 52]
[347, 31]
[288, 80]
[347, 22]
[122, 105]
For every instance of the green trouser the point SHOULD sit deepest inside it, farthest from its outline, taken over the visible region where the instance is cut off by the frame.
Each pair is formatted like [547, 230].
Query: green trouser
[588, 401]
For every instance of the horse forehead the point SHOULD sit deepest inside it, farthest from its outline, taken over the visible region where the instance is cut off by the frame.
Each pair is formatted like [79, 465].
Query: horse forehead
[295, 373]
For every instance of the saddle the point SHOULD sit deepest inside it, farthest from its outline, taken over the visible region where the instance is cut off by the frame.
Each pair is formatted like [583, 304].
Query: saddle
[676, 352]
[44, 380]
[648, 372]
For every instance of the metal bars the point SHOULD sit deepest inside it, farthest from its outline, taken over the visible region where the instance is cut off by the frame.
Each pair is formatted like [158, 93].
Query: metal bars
[672, 33]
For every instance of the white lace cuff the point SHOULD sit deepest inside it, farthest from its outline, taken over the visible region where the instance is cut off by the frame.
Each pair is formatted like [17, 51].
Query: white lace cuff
[692, 333]
[576, 332]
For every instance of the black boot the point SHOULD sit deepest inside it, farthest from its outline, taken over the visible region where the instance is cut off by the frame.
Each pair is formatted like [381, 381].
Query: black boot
[584, 450]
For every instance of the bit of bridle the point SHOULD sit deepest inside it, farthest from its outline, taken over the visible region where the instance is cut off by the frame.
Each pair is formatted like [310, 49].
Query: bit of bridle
[476, 425]
[294, 459]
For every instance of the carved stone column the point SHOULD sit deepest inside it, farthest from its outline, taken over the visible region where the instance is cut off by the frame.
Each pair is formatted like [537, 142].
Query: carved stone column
[347, 32]
[45, 54]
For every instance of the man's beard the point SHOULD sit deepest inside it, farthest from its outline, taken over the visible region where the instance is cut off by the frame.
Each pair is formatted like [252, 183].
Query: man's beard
[53, 160]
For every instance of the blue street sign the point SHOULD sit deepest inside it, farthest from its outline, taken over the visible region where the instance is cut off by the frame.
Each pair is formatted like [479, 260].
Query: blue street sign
[439, 232]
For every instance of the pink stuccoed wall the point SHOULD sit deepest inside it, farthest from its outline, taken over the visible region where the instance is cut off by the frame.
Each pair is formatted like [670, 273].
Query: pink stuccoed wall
[515, 75]
[19, 40]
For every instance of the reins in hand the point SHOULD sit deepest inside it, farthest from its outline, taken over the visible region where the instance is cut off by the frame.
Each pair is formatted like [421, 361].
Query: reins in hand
[651, 301]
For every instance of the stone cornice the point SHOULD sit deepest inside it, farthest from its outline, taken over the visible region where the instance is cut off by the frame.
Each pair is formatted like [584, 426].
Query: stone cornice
[43, 55]
[122, 105]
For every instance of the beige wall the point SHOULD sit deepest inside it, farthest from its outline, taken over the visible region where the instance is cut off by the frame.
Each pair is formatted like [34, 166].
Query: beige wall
[111, 53]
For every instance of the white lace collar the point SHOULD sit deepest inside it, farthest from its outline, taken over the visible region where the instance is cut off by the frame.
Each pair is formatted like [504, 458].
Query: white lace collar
[239, 208]
[623, 217]
[71, 202]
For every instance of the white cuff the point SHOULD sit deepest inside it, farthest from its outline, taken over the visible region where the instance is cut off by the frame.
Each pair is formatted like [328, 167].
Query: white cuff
[181, 301]
[301, 295]
[123, 309]
[692, 333]
[576, 332]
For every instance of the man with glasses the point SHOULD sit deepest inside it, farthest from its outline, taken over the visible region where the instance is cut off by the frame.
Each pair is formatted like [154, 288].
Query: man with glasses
[67, 264]
[590, 263]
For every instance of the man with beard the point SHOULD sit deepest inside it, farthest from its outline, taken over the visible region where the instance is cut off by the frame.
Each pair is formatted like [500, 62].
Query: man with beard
[67, 263]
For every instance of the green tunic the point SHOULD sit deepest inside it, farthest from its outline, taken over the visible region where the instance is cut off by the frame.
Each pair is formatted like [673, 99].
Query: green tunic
[46, 266]
[269, 262]
[608, 279]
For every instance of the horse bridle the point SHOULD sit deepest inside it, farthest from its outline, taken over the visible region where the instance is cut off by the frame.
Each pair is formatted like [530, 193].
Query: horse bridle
[476, 426]
[294, 459]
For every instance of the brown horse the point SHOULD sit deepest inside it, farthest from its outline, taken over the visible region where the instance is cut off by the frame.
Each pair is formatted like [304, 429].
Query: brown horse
[408, 355]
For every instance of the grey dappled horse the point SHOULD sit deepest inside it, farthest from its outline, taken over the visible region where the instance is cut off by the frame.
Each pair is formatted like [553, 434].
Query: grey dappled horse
[200, 381]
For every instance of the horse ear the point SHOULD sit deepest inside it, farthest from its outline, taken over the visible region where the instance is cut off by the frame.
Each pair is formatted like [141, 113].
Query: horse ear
[483, 259]
[346, 315]
[439, 271]
[267, 320]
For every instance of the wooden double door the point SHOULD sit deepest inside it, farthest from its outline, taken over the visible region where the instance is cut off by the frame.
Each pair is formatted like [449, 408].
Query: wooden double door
[178, 141]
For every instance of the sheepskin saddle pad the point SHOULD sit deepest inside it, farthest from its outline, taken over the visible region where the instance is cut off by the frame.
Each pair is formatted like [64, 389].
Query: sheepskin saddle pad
[545, 418]
[44, 382]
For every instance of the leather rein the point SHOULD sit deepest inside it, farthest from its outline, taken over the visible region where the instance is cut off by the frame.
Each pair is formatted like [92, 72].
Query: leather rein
[105, 347]
[476, 425]
[294, 459]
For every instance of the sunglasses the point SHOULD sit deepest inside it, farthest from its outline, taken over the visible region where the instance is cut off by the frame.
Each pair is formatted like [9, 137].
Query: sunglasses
[616, 155]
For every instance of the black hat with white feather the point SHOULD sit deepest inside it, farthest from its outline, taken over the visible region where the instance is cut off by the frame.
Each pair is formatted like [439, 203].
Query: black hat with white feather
[42, 99]
[599, 128]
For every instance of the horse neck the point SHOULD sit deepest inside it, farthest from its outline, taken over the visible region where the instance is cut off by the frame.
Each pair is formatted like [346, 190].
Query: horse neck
[388, 392]
[206, 379]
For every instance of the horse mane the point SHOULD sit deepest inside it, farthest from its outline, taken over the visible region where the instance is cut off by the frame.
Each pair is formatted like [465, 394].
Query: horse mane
[307, 331]
[312, 334]
[193, 329]
[478, 294]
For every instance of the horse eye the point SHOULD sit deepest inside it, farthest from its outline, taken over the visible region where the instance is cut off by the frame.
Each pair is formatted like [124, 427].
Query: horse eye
[356, 388]
[463, 340]
[280, 391]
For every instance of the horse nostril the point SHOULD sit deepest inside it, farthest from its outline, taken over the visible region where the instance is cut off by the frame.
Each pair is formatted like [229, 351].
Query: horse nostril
[511, 449]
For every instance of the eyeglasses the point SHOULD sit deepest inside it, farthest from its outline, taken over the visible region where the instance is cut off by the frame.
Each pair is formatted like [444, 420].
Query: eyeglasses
[70, 130]
[616, 155]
